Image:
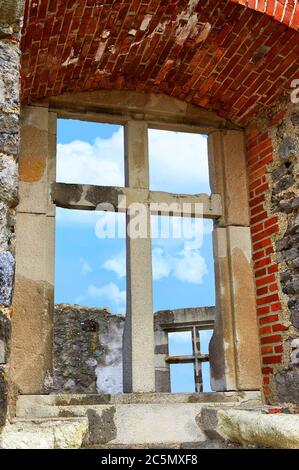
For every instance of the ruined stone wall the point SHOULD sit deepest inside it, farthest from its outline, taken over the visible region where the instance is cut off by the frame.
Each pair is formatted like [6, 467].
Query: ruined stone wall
[273, 171]
[87, 350]
[10, 14]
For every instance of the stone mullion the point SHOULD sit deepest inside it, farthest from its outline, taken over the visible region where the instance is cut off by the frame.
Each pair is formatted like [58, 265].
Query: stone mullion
[139, 366]
[32, 326]
[234, 349]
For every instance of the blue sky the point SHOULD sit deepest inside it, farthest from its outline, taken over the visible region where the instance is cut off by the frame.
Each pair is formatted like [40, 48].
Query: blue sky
[91, 271]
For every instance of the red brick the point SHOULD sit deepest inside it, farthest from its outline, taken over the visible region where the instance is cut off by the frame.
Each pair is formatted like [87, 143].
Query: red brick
[277, 306]
[266, 350]
[265, 330]
[279, 327]
[263, 310]
[272, 360]
[271, 339]
[267, 370]
[268, 319]
[265, 280]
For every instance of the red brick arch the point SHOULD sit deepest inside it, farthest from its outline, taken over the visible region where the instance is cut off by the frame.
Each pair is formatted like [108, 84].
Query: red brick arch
[221, 55]
[285, 11]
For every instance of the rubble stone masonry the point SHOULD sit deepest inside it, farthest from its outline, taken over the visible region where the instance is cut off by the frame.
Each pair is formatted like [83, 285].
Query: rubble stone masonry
[10, 12]
[273, 172]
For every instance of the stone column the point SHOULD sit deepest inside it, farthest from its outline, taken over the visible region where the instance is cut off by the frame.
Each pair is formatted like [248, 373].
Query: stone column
[138, 351]
[31, 359]
[234, 348]
[11, 12]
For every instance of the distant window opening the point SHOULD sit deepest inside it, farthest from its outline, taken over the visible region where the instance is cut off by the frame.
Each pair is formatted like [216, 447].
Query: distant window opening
[189, 350]
[182, 378]
[180, 343]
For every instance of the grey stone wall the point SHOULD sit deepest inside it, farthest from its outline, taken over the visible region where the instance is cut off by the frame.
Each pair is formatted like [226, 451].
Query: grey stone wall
[285, 202]
[10, 24]
[87, 350]
[88, 347]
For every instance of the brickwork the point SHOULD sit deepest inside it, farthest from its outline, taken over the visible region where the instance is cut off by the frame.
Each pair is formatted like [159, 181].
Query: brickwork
[272, 158]
[215, 54]
[285, 11]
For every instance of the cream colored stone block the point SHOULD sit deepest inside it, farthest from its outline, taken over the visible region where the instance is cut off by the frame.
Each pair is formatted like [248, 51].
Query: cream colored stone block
[32, 323]
[222, 347]
[35, 235]
[234, 348]
[228, 176]
[32, 336]
[245, 328]
[277, 431]
[37, 160]
[136, 155]
[44, 434]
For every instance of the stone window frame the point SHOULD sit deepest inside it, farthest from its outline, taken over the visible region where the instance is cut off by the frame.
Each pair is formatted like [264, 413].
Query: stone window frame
[196, 358]
[39, 195]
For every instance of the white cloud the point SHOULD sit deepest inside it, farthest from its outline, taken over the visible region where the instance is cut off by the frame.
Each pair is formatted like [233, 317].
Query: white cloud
[117, 264]
[161, 265]
[178, 261]
[109, 292]
[85, 267]
[190, 266]
[185, 265]
[178, 162]
[100, 162]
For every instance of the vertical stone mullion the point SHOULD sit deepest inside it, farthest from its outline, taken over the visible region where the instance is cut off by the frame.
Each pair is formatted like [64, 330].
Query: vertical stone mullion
[32, 339]
[234, 350]
[139, 373]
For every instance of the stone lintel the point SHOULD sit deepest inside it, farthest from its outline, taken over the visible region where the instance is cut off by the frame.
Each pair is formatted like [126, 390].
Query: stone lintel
[120, 106]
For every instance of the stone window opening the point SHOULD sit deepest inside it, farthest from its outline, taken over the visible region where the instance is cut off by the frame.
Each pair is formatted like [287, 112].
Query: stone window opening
[40, 194]
[196, 357]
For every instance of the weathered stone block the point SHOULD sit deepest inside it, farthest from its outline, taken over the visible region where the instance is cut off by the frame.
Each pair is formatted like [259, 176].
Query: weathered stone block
[294, 309]
[287, 148]
[5, 328]
[5, 233]
[8, 180]
[9, 143]
[9, 86]
[287, 385]
[7, 266]
[10, 11]
[295, 119]
[3, 396]
[279, 172]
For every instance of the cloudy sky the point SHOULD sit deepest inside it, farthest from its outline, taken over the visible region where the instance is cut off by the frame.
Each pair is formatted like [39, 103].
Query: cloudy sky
[90, 270]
